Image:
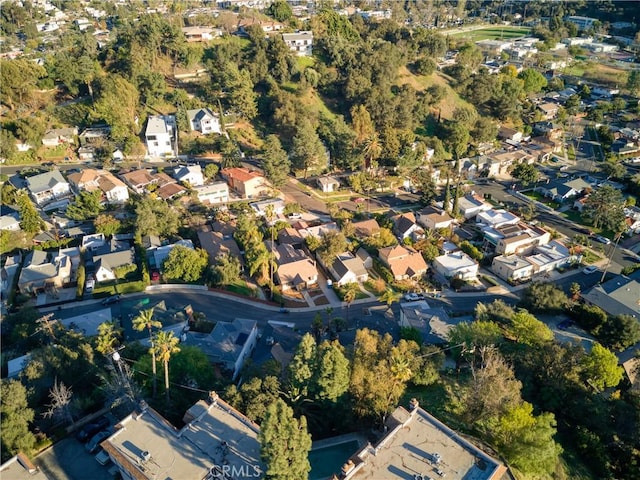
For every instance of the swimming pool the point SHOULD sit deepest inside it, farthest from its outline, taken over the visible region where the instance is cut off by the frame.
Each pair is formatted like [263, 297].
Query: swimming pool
[326, 461]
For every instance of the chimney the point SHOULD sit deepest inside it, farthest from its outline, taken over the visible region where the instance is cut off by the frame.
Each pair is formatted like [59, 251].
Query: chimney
[413, 404]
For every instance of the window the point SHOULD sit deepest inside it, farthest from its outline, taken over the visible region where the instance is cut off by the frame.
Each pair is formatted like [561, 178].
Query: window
[168, 143]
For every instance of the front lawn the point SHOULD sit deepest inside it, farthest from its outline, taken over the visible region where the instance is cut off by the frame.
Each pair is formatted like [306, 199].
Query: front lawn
[241, 288]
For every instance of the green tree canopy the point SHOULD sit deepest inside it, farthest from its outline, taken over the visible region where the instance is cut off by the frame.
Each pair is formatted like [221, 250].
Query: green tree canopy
[85, 206]
[620, 332]
[30, 220]
[307, 152]
[332, 372]
[155, 217]
[604, 207]
[185, 264]
[227, 269]
[275, 162]
[540, 297]
[284, 444]
[302, 366]
[528, 330]
[15, 419]
[526, 173]
[533, 80]
[600, 368]
[117, 104]
[18, 80]
[107, 225]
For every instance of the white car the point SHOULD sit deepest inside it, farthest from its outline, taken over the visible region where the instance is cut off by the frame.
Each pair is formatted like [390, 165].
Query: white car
[589, 270]
[411, 297]
[601, 239]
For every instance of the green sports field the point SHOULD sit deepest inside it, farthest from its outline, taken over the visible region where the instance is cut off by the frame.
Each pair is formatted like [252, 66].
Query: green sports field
[491, 33]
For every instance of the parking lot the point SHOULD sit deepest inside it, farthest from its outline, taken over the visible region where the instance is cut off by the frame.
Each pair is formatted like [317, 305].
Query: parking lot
[68, 460]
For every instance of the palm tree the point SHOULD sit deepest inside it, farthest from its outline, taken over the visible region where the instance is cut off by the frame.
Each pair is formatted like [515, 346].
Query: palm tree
[260, 261]
[145, 320]
[166, 345]
[270, 214]
[389, 297]
[108, 337]
[371, 149]
[350, 292]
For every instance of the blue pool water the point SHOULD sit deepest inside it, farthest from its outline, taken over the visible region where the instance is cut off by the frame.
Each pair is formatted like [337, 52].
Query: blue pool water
[326, 461]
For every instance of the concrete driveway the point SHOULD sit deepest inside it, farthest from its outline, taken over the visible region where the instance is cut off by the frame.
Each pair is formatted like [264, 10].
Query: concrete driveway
[68, 460]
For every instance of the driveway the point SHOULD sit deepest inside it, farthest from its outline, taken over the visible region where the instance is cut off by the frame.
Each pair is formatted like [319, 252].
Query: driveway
[68, 460]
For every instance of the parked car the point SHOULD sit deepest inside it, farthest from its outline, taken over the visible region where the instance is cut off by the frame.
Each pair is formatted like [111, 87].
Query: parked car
[411, 297]
[110, 300]
[601, 239]
[94, 444]
[589, 270]
[90, 429]
[294, 216]
[155, 276]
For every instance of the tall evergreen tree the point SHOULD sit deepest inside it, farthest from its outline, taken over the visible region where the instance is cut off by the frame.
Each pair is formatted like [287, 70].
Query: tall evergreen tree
[302, 366]
[275, 162]
[307, 151]
[30, 219]
[332, 377]
[284, 444]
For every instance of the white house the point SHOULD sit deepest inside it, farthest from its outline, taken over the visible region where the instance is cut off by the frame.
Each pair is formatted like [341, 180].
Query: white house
[107, 264]
[261, 207]
[328, 184]
[9, 222]
[203, 120]
[348, 268]
[496, 218]
[432, 219]
[470, 205]
[160, 136]
[456, 265]
[301, 42]
[199, 33]
[217, 192]
[191, 174]
[512, 268]
[113, 189]
[47, 186]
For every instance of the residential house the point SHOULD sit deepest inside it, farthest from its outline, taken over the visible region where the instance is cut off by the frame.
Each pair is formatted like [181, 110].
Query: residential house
[93, 242]
[442, 450]
[139, 180]
[9, 219]
[472, 204]
[519, 239]
[548, 129]
[583, 23]
[213, 193]
[328, 184]
[618, 296]
[42, 271]
[113, 189]
[157, 255]
[216, 244]
[348, 268]
[300, 42]
[512, 268]
[47, 186]
[198, 33]
[499, 163]
[496, 218]
[279, 343]
[405, 226]
[456, 265]
[191, 174]
[404, 262]
[91, 137]
[107, 265]
[318, 231]
[266, 26]
[246, 183]
[20, 467]
[290, 236]
[434, 219]
[229, 344]
[632, 219]
[551, 256]
[170, 189]
[204, 120]
[366, 228]
[295, 269]
[562, 190]
[263, 206]
[146, 446]
[432, 323]
[58, 136]
[161, 136]
[510, 134]
[549, 110]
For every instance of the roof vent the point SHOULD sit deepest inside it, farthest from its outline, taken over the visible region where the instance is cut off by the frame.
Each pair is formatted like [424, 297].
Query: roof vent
[145, 456]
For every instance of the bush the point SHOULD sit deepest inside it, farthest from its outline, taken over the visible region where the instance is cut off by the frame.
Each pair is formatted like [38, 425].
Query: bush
[471, 250]
[411, 333]
[620, 332]
[544, 297]
[383, 271]
[589, 317]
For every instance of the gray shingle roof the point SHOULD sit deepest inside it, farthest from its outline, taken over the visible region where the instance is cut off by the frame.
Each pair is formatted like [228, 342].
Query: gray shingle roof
[45, 181]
